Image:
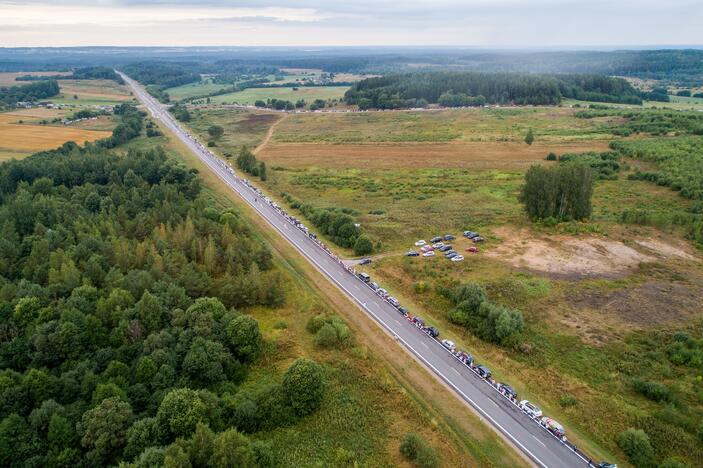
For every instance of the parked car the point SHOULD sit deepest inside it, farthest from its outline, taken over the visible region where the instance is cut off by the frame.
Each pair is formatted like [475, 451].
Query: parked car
[465, 357]
[438, 245]
[364, 277]
[432, 331]
[478, 239]
[448, 237]
[412, 253]
[451, 253]
[457, 258]
[436, 239]
[444, 248]
[470, 234]
[427, 248]
[373, 286]
[553, 427]
[507, 390]
[605, 464]
[530, 409]
[472, 249]
[382, 292]
[403, 311]
[365, 261]
[420, 243]
[448, 344]
[483, 371]
[418, 322]
[393, 301]
[429, 254]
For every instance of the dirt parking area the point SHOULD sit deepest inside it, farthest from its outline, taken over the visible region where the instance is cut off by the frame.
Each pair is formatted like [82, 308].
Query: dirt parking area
[568, 257]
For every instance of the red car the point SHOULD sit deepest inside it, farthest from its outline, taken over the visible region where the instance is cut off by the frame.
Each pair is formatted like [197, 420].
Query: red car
[472, 249]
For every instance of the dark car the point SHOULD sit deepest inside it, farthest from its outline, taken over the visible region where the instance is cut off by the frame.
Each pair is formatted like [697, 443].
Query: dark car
[483, 371]
[403, 310]
[465, 357]
[508, 391]
[436, 239]
[365, 261]
[470, 234]
[444, 248]
[451, 253]
[478, 239]
[374, 286]
[449, 237]
[412, 253]
[364, 277]
[418, 322]
[432, 331]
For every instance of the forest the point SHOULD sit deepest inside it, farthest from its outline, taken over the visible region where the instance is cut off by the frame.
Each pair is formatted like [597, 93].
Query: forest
[417, 89]
[85, 73]
[10, 96]
[122, 337]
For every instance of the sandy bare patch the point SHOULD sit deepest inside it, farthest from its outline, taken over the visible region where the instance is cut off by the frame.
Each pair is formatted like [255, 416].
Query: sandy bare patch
[579, 257]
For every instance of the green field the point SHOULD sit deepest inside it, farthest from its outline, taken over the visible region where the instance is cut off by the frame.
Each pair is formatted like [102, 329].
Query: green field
[190, 90]
[411, 175]
[243, 127]
[251, 95]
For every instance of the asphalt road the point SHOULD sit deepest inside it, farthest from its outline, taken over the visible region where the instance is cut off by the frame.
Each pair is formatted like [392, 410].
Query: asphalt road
[505, 417]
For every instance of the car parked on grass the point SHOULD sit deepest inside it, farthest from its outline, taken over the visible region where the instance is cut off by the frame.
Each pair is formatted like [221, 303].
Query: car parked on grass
[420, 243]
[478, 239]
[531, 410]
[451, 253]
[448, 344]
[432, 331]
[412, 253]
[438, 245]
[507, 390]
[429, 254]
[427, 248]
[457, 258]
[448, 237]
[483, 371]
[444, 248]
[472, 249]
[365, 261]
[436, 239]
[470, 234]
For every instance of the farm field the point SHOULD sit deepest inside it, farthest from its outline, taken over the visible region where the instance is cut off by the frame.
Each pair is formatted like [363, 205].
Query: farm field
[91, 93]
[596, 296]
[17, 140]
[251, 95]
[368, 395]
[9, 78]
[194, 89]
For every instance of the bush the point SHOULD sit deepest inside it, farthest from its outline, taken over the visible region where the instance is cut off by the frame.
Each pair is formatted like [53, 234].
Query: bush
[304, 386]
[635, 444]
[653, 390]
[551, 157]
[363, 246]
[416, 449]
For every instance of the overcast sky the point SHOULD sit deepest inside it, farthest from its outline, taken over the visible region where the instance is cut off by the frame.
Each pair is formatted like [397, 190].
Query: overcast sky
[482, 23]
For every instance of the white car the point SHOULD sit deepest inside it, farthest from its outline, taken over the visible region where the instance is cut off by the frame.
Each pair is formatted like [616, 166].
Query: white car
[530, 409]
[420, 243]
[428, 254]
[448, 344]
[457, 258]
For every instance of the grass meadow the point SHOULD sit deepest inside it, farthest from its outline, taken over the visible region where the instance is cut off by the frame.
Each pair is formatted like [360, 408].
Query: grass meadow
[411, 175]
[250, 95]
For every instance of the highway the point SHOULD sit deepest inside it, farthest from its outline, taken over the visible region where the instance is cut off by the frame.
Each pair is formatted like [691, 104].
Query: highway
[505, 417]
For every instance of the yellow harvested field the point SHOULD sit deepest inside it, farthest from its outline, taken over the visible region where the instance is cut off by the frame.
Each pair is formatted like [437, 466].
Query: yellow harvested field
[469, 155]
[8, 79]
[20, 138]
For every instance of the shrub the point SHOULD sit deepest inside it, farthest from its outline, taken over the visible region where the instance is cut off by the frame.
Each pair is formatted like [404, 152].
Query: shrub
[653, 390]
[363, 246]
[567, 400]
[551, 157]
[635, 444]
[416, 449]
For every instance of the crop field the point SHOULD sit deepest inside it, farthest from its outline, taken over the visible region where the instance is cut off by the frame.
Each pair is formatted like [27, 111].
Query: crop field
[596, 296]
[91, 93]
[251, 95]
[17, 140]
[8, 78]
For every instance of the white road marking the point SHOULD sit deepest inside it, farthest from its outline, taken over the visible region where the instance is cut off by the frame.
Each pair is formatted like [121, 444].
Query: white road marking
[539, 441]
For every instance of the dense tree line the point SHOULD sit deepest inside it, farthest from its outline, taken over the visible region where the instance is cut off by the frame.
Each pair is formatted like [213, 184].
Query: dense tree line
[180, 112]
[247, 162]
[130, 126]
[120, 334]
[411, 89]
[561, 192]
[486, 319]
[10, 96]
[336, 223]
[85, 73]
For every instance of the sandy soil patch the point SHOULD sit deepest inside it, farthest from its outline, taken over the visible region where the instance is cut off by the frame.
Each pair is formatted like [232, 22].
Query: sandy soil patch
[580, 257]
[473, 155]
